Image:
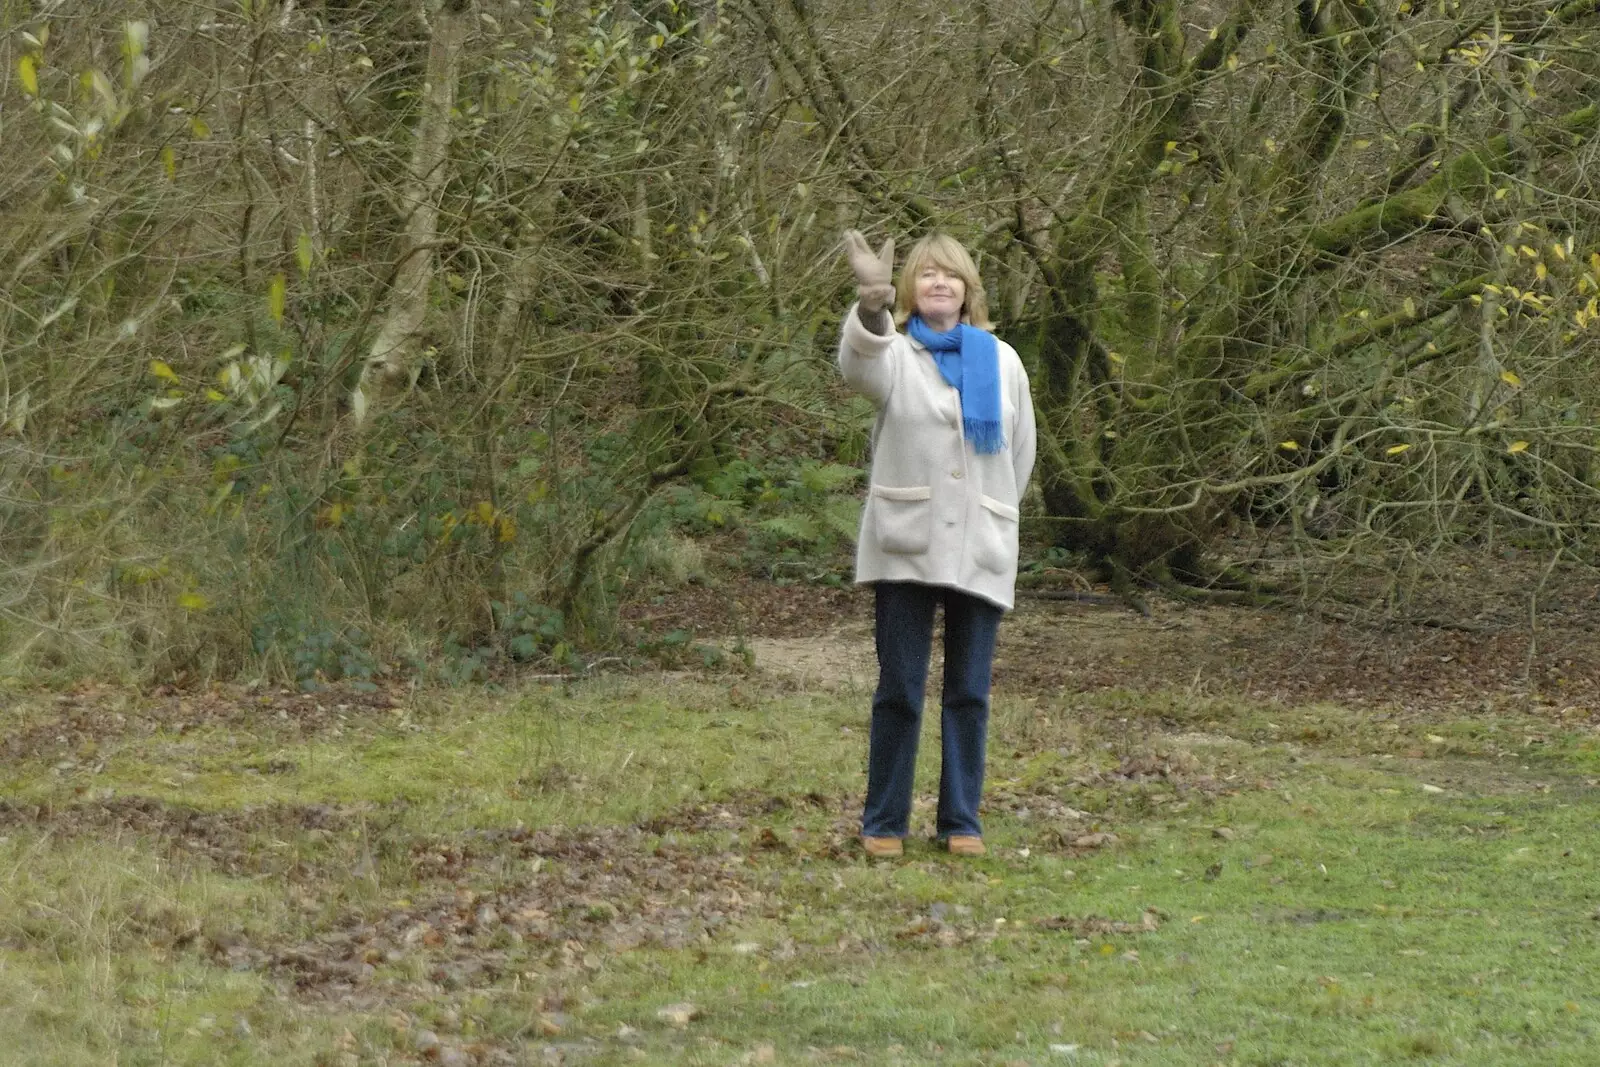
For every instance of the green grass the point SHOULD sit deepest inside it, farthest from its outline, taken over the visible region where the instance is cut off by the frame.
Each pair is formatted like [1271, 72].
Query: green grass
[1287, 886]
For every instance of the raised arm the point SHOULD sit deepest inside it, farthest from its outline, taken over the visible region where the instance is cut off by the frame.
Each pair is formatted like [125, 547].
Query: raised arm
[864, 347]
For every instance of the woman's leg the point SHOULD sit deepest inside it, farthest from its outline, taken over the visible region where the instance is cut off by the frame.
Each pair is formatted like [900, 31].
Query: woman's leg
[970, 627]
[904, 634]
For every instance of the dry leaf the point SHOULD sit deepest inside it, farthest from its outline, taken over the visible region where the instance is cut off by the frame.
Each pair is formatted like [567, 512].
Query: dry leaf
[679, 1015]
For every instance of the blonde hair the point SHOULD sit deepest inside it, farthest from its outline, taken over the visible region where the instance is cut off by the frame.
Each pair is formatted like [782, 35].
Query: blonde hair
[943, 251]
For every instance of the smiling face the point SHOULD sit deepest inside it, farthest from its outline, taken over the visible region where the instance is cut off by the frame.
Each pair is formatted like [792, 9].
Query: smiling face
[940, 283]
[940, 294]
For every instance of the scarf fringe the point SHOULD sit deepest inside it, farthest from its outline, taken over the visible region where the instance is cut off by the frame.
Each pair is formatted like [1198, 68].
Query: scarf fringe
[986, 435]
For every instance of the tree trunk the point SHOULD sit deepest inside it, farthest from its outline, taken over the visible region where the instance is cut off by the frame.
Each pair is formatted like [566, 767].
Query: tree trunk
[392, 357]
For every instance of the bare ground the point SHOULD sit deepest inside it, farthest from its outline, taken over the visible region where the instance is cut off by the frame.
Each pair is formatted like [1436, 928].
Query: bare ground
[549, 903]
[1470, 646]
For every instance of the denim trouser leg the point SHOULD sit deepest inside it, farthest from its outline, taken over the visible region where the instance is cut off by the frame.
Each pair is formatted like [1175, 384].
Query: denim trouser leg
[904, 632]
[904, 635]
[970, 628]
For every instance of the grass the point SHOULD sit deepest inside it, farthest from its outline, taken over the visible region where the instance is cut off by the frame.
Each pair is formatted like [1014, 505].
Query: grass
[539, 876]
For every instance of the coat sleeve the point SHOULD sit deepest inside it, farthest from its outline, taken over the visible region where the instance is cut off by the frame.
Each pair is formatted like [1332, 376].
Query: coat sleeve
[866, 359]
[1024, 441]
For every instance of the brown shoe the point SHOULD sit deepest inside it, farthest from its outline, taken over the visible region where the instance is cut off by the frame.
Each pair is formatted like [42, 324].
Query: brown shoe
[965, 845]
[883, 847]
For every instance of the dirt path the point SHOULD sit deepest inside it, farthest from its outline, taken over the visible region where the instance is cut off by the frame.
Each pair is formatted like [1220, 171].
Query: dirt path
[1053, 648]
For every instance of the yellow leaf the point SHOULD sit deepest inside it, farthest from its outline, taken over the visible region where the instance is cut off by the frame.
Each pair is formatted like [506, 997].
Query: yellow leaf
[198, 128]
[28, 70]
[506, 529]
[1541, 272]
[1511, 379]
[1517, 446]
[1395, 450]
[277, 295]
[169, 162]
[1557, 251]
[1289, 446]
[485, 512]
[96, 84]
[1495, 289]
[302, 252]
[1233, 62]
[1500, 193]
[162, 370]
[214, 396]
[1529, 252]
[1410, 308]
[193, 601]
[1362, 143]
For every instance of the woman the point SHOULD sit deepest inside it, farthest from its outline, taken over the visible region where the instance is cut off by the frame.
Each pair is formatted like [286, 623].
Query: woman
[952, 450]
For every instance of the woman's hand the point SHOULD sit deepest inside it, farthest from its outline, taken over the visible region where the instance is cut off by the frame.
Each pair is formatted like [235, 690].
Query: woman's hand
[874, 272]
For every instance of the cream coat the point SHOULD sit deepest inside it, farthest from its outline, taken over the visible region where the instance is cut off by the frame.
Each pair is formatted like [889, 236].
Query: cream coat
[937, 512]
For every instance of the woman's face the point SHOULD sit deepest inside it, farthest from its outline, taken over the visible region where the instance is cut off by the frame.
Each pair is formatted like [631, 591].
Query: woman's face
[940, 295]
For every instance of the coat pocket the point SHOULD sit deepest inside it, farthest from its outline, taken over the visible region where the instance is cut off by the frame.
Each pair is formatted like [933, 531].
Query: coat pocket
[995, 543]
[903, 518]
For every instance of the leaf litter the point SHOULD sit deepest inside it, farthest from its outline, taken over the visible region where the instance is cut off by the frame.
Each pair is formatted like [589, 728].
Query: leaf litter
[548, 905]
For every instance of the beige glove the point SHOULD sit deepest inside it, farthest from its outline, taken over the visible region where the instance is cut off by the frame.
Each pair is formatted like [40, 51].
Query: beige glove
[874, 280]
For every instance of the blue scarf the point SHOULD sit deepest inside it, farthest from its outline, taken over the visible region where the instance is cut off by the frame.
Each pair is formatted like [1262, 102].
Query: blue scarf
[969, 359]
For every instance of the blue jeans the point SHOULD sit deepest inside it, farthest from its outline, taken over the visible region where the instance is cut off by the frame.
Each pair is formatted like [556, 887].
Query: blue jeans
[904, 635]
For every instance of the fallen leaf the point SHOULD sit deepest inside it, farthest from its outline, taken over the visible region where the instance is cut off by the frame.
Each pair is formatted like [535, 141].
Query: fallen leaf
[1095, 840]
[679, 1015]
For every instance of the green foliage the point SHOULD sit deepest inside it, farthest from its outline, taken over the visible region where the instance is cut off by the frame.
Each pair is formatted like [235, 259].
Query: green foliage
[632, 296]
[794, 512]
[314, 651]
[532, 628]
